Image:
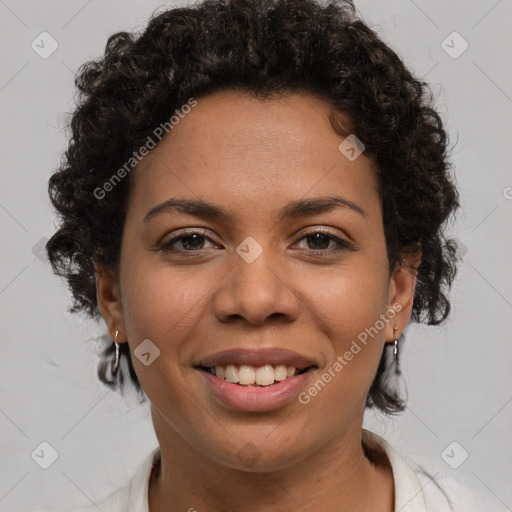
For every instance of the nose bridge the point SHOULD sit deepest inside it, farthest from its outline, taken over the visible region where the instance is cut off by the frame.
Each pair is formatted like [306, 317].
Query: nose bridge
[256, 286]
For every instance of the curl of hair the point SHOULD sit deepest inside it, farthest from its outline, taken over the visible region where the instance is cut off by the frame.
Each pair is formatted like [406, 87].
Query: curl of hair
[264, 48]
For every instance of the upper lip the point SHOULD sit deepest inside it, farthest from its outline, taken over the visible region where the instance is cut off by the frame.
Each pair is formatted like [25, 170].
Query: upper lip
[257, 357]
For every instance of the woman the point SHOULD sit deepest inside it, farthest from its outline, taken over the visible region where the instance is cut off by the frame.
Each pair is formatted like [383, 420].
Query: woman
[254, 199]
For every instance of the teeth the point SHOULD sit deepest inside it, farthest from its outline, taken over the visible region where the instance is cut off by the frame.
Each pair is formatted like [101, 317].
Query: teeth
[219, 371]
[231, 373]
[247, 375]
[265, 375]
[281, 372]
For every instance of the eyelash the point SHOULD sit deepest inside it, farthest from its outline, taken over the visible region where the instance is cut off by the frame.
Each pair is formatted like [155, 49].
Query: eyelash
[343, 245]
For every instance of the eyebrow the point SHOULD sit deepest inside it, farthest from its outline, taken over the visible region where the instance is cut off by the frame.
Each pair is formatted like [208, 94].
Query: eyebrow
[294, 209]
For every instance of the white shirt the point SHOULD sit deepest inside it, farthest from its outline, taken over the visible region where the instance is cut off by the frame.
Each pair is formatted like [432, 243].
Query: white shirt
[415, 490]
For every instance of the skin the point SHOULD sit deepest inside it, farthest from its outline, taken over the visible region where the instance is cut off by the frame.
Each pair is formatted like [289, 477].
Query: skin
[252, 157]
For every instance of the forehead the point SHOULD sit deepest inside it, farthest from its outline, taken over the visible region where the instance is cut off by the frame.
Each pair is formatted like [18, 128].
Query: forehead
[238, 148]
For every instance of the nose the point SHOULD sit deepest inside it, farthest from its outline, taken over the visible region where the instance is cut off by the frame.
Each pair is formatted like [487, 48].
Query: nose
[256, 291]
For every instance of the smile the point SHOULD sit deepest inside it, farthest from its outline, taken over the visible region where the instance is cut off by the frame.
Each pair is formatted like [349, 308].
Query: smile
[248, 375]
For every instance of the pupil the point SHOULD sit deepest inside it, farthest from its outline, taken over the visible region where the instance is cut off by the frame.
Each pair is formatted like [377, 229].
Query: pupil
[198, 239]
[318, 237]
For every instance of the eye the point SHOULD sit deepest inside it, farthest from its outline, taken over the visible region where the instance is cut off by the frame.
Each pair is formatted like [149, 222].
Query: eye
[190, 241]
[318, 243]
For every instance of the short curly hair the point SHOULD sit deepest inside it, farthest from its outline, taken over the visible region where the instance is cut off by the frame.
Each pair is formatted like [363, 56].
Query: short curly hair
[263, 48]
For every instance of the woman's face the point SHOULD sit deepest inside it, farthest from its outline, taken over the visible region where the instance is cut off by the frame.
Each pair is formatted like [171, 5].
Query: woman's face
[256, 285]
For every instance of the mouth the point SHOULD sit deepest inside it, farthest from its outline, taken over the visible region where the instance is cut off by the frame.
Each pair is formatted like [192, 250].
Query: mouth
[256, 379]
[255, 376]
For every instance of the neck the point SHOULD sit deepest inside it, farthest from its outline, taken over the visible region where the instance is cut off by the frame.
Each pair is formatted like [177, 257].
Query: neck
[338, 477]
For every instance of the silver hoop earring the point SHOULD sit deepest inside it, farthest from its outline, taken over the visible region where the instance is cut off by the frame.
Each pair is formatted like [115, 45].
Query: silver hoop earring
[115, 364]
[396, 353]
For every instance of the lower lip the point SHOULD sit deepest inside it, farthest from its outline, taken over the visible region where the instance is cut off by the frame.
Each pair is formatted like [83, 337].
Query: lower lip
[256, 398]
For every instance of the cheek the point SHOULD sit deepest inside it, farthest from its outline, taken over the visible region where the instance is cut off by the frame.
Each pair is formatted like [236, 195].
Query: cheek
[352, 306]
[165, 306]
[350, 299]
[162, 303]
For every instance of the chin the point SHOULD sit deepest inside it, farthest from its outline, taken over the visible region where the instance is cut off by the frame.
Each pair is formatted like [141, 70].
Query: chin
[257, 456]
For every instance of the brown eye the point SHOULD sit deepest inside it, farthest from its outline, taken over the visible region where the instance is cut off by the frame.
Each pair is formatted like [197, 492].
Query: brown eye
[319, 243]
[192, 241]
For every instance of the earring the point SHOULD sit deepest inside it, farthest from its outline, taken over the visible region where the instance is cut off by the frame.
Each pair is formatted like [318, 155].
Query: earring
[115, 364]
[396, 352]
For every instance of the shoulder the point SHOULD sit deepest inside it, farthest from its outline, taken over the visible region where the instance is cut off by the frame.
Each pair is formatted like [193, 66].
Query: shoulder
[116, 502]
[132, 497]
[458, 496]
[417, 490]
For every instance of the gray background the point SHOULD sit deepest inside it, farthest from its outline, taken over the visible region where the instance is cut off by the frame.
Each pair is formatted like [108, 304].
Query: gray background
[458, 375]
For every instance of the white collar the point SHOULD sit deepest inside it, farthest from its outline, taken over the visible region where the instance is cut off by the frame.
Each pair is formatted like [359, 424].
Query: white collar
[408, 490]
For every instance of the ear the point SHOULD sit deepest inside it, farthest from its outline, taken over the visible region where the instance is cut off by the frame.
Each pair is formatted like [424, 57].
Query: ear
[108, 294]
[402, 285]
